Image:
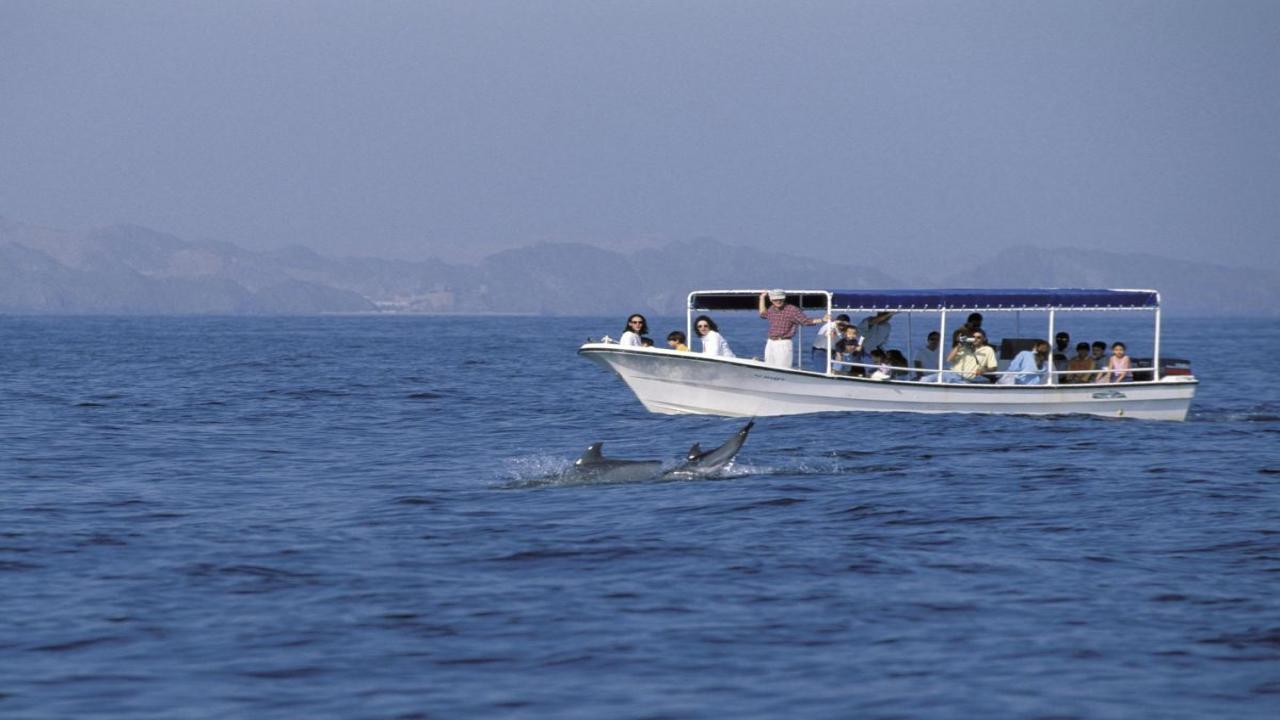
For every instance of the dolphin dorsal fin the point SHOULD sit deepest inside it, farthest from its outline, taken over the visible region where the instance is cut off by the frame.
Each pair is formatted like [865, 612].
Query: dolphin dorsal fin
[592, 455]
[694, 452]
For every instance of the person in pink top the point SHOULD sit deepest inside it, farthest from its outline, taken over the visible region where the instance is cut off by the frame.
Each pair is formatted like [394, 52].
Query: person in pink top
[1117, 369]
[783, 319]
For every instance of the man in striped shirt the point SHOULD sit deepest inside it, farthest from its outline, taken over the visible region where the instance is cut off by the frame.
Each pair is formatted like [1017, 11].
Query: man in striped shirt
[783, 319]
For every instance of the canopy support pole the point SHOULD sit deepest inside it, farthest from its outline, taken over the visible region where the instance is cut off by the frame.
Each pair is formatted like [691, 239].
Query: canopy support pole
[828, 334]
[1155, 353]
[688, 320]
[911, 355]
[942, 334]
[1053, 378]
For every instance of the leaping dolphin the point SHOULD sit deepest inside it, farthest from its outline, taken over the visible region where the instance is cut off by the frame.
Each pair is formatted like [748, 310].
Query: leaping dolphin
[697, 462]
[593, 466]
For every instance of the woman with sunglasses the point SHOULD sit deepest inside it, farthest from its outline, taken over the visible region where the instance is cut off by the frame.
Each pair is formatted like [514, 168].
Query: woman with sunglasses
[631, 334]
[712, 342]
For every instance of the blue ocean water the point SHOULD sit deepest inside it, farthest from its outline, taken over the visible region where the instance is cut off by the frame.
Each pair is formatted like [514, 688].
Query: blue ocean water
[358, 517]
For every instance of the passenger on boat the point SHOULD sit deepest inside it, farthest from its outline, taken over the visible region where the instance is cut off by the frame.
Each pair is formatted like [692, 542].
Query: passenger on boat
[646, 342]
[833, 330]
[971, 359]
[636, 326]
[972, 325]
[1061, 342]
[1118, 365]
[882, 371]
[898, 363]
[1029, 367]
[1099, 351]
[849, 350]
[1080, 368]
[875, 330]
[712, 342]
[926, 358]
[676, 341]
[783, 319]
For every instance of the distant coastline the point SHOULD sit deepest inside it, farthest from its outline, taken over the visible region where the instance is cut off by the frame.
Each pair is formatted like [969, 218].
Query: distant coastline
[134, 270]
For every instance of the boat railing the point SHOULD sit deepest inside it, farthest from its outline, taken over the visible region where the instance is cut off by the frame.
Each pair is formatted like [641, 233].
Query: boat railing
[923, 372]
[905, 374]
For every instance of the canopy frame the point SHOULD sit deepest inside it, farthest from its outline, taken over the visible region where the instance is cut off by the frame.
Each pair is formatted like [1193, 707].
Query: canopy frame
[1051, 300]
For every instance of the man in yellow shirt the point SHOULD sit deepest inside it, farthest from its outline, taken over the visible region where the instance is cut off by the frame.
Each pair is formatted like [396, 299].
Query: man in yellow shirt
[972, 358]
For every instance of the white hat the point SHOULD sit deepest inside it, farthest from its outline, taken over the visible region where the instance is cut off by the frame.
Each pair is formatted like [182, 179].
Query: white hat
[777, 294]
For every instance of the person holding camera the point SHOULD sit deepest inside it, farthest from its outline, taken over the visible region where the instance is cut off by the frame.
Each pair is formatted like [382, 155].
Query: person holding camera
[971, 358]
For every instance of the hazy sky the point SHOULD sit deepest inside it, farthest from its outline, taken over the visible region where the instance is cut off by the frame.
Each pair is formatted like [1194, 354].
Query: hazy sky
[899, 132]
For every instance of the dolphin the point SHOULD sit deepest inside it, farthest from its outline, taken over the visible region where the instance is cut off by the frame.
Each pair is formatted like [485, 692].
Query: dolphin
[697, 462]
[593, 466]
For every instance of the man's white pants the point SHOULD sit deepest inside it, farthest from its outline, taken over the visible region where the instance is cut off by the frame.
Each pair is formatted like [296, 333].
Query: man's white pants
[777, 353]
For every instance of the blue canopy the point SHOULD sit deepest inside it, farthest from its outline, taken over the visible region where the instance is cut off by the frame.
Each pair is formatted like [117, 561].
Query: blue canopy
[948, 299]
[1012, 299]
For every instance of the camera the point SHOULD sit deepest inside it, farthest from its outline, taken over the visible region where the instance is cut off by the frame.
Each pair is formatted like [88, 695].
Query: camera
[965, 339]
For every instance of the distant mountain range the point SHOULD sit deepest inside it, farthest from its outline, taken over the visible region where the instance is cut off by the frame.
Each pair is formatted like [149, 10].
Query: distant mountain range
[1186, 288]
[127, 269]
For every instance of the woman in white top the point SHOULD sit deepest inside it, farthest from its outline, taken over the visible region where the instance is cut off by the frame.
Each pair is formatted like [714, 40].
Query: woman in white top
[636, 326]
[712, 342]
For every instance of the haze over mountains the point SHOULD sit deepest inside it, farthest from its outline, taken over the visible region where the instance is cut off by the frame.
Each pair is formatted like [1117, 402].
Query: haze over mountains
[128, 269]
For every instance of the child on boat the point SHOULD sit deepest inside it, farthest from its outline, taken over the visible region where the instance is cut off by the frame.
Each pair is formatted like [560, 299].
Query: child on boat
[1099, 351]
[1117, 369]
[1080, 366]
[849, 350]
[882, 371]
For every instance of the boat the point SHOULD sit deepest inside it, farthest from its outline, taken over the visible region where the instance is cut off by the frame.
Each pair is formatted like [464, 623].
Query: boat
[674, 382]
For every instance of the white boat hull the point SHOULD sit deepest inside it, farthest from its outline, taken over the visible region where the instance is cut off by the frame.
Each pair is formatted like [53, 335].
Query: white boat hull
[677, 383]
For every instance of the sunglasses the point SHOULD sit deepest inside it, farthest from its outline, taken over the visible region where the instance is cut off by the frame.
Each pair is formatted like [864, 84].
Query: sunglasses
[635, 322]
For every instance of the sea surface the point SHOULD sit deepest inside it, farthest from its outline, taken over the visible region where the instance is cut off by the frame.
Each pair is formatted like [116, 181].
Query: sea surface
[363, 517]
